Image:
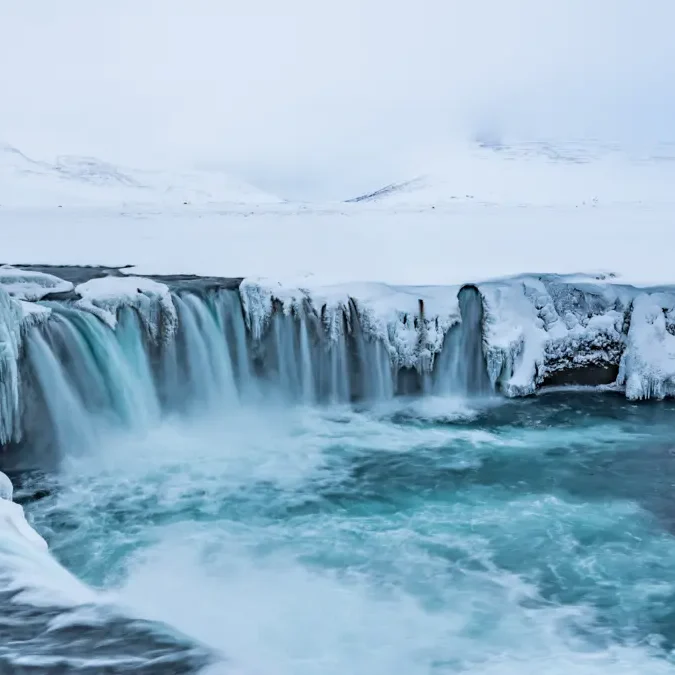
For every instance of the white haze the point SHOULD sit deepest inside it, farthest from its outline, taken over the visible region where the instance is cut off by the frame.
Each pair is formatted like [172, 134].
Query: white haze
[312, 99]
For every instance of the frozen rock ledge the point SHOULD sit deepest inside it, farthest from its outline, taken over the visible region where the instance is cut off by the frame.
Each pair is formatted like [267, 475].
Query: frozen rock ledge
[533, 331]
[537, 330]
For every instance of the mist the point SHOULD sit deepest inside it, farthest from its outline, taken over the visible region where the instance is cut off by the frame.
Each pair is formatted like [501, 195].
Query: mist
[324, 100]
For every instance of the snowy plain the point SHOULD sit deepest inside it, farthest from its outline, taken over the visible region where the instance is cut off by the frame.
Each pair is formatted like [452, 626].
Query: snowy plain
[490, 212]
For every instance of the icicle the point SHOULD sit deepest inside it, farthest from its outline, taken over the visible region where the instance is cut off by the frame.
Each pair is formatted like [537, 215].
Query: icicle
[10, 340]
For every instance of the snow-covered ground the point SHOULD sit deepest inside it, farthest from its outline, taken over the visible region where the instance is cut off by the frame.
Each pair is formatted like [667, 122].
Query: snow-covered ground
[73, 180]
[316, 245]
[492, 211]
[539, 173]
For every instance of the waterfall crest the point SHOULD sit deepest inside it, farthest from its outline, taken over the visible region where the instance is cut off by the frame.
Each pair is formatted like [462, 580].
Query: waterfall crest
[80, 374]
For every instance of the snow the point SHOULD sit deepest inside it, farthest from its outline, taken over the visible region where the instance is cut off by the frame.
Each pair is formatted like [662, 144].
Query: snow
[540, 173]
[73, 180]
[30, 285]
[648, 364]
[536, 326]
[325, 245]
[27, 569]
[12, 518]
[6, 487]
[105, 296]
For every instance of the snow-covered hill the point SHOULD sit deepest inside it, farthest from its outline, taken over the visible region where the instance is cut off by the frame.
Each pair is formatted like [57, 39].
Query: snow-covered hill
[539, 173]
[73, 180]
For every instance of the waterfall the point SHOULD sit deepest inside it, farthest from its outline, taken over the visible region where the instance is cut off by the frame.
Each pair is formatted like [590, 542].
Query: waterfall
[70, 422]
[80, 374]
[461, 369]
[315, 359]
[206, 359]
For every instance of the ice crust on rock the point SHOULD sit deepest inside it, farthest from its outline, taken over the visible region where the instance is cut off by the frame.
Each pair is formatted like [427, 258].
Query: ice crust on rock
[31, 285]
[648, 364]
[411, 322]
[536, 326]
[10, 342]
[151, 299]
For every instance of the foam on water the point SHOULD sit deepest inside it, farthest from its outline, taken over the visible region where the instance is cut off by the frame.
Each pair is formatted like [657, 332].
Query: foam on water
[375, 540]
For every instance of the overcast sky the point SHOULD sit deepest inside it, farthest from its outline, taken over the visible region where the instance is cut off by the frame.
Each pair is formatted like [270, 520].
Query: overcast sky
[313, 98]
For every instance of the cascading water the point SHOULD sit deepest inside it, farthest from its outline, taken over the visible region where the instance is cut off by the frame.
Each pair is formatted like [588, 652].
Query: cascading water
[318, 539]
[87, 373]
[311, 359]
[461, 368]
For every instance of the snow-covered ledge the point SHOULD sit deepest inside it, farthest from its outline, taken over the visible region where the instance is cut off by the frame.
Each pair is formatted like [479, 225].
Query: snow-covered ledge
[535, 327]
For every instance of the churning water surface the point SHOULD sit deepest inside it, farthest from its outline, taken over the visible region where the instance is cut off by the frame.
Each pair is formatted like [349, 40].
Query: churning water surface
[421, 536]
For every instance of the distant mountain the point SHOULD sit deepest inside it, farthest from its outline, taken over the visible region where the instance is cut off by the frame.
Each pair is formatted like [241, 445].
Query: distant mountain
[544, 173]
[73, 180]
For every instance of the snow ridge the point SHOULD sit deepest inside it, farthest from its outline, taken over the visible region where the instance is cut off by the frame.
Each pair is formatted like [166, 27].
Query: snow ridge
[581, 173]
[73, 180]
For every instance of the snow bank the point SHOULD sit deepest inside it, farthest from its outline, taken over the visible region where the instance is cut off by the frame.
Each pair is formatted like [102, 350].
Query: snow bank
[30, 285]
[13, 519]
[581, 174]
[77, 181]
[104, 297]
[27, 569]
[6, 487]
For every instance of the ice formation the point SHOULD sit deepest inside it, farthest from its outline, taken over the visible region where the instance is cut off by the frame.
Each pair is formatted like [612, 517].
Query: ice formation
[648, 363]
[12, 519]
[152, 300]
[31, 285]
[534, 328]
[409, 321]
[537, 326]
[128, 348]
[10, 340]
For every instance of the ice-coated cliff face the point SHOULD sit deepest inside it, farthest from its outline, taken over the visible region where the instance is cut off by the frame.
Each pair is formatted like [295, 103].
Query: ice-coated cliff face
[127, 349]
[648, 362]
[16, 316]
[10, 328]
[534, 330]
[540, 327]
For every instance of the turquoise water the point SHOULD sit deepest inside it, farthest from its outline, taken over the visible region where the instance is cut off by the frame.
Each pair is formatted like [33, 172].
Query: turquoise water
[421, 536]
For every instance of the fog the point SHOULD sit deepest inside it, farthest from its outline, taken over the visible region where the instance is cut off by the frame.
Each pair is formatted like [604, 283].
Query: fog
[323, 100]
